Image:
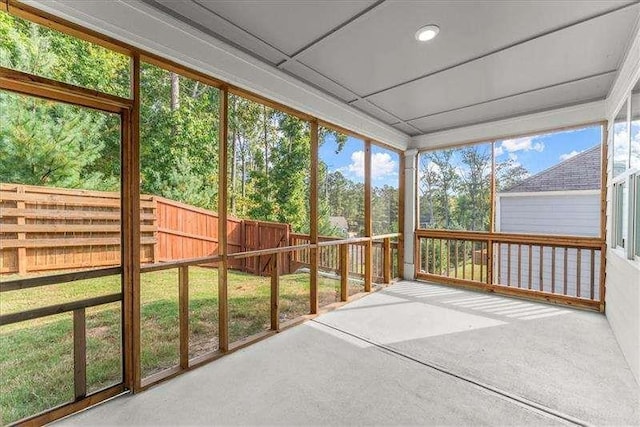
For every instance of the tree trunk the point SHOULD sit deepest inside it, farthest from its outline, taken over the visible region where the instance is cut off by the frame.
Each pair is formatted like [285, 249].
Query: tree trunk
[175, 91]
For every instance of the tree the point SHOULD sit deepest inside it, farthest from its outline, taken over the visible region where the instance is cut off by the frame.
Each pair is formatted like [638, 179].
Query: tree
[474, 189]
[47, 143]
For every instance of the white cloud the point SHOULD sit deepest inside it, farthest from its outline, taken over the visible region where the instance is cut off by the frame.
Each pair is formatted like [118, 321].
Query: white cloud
[566, 156]
[381, 165]
[526, 143]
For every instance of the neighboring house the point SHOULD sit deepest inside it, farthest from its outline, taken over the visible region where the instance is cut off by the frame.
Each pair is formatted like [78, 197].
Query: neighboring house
[563, 200]
[340, 223]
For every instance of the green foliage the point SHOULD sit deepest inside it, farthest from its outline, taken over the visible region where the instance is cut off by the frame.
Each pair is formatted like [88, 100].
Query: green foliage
[455, 187]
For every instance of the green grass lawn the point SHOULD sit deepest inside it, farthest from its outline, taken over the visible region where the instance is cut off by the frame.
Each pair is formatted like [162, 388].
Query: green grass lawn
[36, 356]
[465, 271]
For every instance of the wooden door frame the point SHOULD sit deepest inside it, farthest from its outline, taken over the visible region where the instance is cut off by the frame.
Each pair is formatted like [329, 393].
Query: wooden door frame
[29, 85]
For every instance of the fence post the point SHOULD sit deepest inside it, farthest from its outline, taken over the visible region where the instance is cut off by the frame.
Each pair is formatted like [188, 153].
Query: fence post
[156, 234]
[275, 292]
[386, 257]
[183, 302]
[22, 251]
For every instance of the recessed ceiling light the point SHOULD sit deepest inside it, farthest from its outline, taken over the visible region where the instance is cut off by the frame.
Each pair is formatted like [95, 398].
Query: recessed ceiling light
[426, 33]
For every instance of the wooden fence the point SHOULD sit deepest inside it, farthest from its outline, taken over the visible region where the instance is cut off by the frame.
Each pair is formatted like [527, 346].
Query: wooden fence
[44, 229]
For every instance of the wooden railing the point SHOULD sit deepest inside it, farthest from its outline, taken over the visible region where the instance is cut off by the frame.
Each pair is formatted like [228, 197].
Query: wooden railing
[384, 256]
[299, 252]
[79, 327]
[555, 268]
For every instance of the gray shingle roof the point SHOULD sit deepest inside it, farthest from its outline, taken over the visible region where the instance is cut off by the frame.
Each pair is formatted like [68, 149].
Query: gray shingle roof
[580, 172]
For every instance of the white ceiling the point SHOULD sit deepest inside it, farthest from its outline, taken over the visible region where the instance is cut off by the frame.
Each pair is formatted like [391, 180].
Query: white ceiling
[492, 59]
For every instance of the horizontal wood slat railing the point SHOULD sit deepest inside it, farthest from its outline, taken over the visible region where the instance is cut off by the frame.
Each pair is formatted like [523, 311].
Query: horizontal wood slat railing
[560, 269]
[45, 229]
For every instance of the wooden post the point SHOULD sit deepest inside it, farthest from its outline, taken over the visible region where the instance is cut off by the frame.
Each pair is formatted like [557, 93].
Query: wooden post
[386, 256]
[368, 247]
[401, 230]
[223, 306]
[79, 354]
[313, 235]
[130, 235]
[183, 301]
[22, 251]
[275, 292]
[344, 272]
[603, 215]
[401, 239]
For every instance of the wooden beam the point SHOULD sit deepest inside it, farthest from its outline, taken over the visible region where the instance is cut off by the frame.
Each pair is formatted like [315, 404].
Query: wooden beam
[41, 87]
[70, 408]
[603, 215]
[313, 235]
[131, 236]
[79, 354]
[183, 303]
[368, 229]
[50, 310]
[546, 240]
[223, 304]
[32, 282]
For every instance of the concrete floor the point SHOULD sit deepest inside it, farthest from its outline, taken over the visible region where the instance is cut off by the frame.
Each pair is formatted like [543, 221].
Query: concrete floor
[413, 353]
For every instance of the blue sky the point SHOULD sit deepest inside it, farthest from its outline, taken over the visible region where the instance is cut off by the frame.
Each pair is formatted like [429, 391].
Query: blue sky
[536, 153]
[350, 161]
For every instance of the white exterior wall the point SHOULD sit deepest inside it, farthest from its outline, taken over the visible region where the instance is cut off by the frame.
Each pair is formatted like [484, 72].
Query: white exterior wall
[623, 276]
[573, 213]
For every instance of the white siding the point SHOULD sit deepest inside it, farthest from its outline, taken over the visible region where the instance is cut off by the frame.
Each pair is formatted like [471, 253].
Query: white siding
[623, 306]
[568, 214]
